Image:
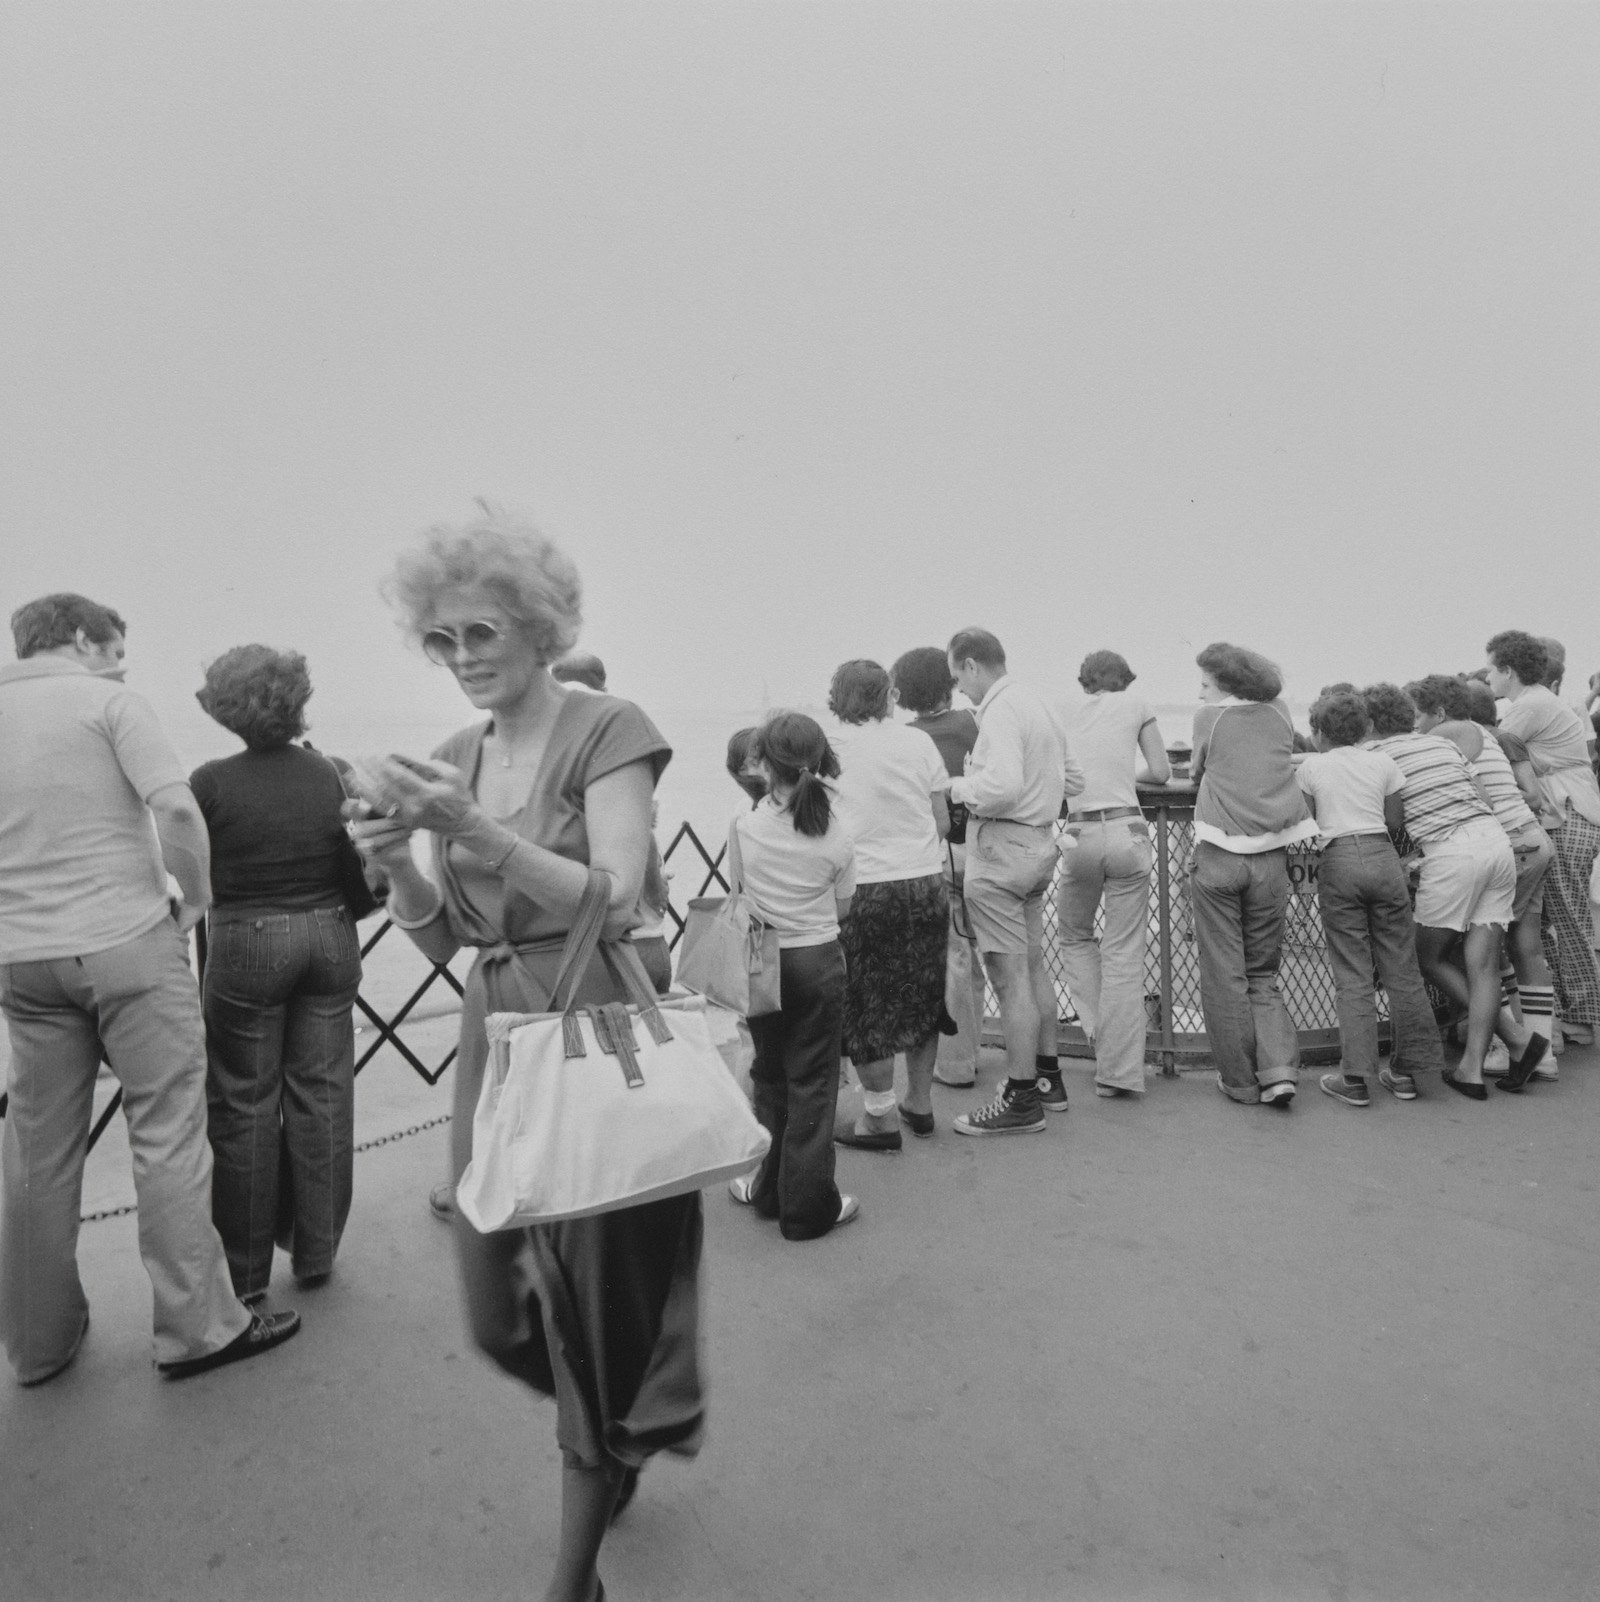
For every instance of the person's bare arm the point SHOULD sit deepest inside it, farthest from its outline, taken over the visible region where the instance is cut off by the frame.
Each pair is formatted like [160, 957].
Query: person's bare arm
[842, 905]
[941, 814]
[185, 848]
[1154, 751]
[1528, 784]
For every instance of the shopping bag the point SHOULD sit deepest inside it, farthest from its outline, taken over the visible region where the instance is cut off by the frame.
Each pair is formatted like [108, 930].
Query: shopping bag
[587, 1109]
[733, 958]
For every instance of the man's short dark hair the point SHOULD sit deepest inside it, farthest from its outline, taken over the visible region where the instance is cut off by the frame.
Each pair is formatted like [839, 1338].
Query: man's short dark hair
[1392, 711]
[922, 676]
[977, 645]
[1514, 651]
[1442, 693]
[1481, 700]
[1341, 718]
[54, 620]
[1105, 670]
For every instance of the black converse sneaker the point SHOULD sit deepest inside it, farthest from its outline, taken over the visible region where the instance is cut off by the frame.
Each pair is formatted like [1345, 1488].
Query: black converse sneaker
[1016, 1110]
[1052, 1093]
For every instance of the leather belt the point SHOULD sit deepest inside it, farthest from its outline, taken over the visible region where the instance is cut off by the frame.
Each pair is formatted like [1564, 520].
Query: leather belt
[1105, 814]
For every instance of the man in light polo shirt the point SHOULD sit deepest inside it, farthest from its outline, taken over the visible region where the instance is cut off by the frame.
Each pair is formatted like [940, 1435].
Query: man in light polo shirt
[1016, 777]
[94, 812]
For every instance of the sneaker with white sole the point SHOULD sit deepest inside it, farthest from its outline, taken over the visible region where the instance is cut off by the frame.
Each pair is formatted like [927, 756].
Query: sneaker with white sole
[1352, 1092]
[1278, 1094]
[1052, 1093]
[1497, 1060]
[1016, 1110]
[1401, 1086]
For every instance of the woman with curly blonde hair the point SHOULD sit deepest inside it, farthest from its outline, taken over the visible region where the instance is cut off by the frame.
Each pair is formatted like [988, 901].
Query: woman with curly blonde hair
[281, 976]
[526, 811]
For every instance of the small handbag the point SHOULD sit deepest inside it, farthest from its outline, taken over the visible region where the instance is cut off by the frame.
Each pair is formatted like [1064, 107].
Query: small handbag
[730, 952]
[585, 1110]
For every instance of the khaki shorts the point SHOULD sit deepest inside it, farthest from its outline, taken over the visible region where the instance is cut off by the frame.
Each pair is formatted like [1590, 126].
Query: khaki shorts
[1470, 878]
[1009, 868]
[1534, 854]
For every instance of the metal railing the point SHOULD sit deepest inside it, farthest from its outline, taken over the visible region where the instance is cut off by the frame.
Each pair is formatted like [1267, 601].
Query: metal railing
[1176, 1029]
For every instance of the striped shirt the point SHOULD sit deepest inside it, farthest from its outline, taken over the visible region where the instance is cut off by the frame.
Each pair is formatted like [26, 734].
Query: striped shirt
[1439, 795]
[1492, 769]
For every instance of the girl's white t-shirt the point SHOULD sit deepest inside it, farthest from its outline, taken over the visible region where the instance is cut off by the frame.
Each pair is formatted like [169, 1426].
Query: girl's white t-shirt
[888, 773]
[793, 878]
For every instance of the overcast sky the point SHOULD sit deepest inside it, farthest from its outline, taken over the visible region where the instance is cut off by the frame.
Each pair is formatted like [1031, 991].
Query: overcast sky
[814, 331]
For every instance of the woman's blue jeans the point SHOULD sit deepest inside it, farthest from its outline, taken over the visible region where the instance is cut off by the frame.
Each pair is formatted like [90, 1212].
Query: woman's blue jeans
[280, 1085]
[1239, 906]
[1368, 930]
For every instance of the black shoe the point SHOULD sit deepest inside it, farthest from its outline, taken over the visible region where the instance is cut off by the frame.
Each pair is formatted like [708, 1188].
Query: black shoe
[889, 1140]
[266, 1331]
[920, 1124]
[1052, 1093]
[1522, 1069]
[1471, 1092]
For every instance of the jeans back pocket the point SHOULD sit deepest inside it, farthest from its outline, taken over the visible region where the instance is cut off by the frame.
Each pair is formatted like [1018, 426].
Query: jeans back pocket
[336, 935]
[257, 945]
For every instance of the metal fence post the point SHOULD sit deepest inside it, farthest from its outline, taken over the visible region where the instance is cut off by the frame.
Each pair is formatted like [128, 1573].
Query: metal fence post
[1169, 1056]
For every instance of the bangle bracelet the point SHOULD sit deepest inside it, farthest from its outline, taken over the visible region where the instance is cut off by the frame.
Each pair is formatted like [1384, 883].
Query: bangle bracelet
[505, 856]
[418, 923]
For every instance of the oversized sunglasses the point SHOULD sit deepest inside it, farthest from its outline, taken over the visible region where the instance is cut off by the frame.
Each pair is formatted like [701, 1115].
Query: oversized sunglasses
[476, 639]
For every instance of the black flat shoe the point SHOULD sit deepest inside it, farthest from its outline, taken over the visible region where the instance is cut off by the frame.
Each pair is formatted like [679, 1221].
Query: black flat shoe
[889, 1141]
[1522, 1069]
[1471, 1092]
[920, 1124]
[265, 1331]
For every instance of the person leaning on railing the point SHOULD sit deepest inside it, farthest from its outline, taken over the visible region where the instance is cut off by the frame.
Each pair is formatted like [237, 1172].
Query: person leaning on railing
[1248, 812]
[1366, 909]
[1555, 739]
[601, 1313]
[1467, 886]
[1444, 707]
[283, 967]
[1106, 858]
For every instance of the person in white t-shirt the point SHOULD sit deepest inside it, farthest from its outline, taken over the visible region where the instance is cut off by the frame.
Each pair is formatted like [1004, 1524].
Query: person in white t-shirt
[1367, 924]
[892, 784]
[799, 868]
[1106, 857]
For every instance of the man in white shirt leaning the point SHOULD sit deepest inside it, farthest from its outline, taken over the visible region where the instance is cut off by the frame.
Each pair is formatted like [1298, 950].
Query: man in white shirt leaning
[1016, 777]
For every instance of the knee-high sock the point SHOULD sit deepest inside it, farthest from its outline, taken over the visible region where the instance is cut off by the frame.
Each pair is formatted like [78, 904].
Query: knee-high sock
[1538, 1007]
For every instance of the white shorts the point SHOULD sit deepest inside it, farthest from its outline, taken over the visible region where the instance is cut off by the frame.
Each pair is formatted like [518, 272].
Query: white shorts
[1469, 878]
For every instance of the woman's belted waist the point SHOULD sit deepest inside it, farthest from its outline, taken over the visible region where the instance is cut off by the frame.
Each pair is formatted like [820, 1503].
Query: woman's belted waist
[507, 950]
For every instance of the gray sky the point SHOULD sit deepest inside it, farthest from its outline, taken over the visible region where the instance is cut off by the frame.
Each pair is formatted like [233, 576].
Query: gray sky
[814, 331]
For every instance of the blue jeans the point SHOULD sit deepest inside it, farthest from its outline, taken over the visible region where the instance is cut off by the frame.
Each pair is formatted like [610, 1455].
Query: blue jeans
[1239, 904]
[280, 1085]
[1366, 920]
[1111, 861]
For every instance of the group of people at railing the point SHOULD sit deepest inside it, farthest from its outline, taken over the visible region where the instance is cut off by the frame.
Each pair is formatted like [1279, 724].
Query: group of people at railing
[897, 861]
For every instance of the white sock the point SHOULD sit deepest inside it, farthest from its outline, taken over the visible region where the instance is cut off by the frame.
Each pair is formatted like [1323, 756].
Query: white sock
[878, 1103]
[1538, 1008]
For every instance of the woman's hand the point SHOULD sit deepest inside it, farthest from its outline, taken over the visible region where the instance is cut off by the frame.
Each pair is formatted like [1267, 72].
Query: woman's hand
[382, 841]
[420, 794]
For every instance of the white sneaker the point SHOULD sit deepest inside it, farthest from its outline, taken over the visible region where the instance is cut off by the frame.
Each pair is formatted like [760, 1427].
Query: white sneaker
[1498, 1060]
[1278, 1095]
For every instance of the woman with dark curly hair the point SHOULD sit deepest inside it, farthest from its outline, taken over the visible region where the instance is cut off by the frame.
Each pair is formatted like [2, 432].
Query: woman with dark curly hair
[283, 966]
[892, 784]
[1248, 812]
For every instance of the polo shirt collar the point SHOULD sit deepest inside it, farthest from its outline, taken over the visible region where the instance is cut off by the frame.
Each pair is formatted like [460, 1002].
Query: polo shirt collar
[39, 667]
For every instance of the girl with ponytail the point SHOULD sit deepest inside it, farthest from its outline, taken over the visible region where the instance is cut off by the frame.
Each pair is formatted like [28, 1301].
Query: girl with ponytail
[797, 864]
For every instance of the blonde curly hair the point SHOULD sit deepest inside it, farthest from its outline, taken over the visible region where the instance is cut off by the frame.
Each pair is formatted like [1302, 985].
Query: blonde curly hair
[525, 570]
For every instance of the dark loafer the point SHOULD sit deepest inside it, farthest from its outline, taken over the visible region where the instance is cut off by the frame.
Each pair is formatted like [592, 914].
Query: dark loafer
[1461, 1087]
[1522, 1069]
[920, 1124]
[890, 1141]
[266, 1331]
